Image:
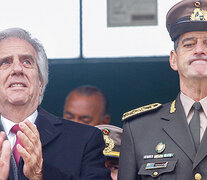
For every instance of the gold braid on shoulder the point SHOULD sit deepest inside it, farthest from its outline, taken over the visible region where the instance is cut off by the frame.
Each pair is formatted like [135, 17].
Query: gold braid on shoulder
[140, 110]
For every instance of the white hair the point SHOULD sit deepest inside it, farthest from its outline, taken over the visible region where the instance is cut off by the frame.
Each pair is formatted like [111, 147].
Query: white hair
[42, 61]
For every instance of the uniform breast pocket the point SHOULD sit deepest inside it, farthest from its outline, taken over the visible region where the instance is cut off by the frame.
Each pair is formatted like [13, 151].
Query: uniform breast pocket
[158, 170]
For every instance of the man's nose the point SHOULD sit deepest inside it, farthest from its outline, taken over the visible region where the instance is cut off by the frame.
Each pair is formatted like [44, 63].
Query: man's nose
[17, 68]
[200, 49]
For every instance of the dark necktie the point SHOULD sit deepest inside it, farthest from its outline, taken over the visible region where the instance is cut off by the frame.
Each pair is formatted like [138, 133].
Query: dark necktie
[195, 124]
[16, 154]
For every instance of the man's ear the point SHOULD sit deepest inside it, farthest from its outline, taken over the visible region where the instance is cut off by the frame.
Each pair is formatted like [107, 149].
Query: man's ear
[173, 60]
[107, 119]
[41, 85]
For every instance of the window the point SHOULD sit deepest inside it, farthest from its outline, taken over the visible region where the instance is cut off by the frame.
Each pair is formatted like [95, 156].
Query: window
[56, 24]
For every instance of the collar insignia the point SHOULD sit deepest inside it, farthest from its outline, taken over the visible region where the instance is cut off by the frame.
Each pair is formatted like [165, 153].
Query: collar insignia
[172, 107]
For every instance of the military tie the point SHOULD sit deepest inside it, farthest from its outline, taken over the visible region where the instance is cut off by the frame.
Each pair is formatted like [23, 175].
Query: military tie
[16, 154]
[195, 124]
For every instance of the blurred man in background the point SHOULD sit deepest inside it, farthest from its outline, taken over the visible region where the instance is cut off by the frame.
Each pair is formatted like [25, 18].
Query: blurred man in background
[87, 105]
[112, 136]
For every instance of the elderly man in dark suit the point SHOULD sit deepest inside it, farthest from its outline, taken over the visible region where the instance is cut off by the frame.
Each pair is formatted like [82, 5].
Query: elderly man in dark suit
[43, 146]
[170, 141]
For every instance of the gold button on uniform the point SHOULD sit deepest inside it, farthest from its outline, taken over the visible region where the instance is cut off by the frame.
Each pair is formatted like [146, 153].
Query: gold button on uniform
[155, 173]
[198, 176]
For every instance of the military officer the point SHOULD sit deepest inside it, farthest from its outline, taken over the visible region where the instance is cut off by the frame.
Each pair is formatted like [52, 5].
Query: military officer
[170, 141]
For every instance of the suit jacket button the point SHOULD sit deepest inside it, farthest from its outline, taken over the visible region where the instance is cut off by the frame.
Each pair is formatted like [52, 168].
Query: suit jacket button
[198, 176]
[155, 173]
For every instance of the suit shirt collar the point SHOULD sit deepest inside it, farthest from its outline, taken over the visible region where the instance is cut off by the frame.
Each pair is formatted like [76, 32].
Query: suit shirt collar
[8, 124]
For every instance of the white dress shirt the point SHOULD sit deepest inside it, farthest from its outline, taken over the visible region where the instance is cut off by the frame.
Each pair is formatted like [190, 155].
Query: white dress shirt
[7, 124]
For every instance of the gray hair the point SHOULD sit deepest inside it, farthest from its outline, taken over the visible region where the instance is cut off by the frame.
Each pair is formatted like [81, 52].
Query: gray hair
[42, 61]
[176, 44]
[88, 90]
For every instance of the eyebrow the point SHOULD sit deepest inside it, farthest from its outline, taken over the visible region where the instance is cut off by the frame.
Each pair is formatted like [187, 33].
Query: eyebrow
[26, 56]
[89, 117]
[84, 116]
[20, 56]
[68, 113]
[188, 39]
[192, 38]
[4, 58]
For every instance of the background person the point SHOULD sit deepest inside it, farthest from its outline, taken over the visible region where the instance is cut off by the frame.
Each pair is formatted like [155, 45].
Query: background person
[43, 145]
[170, 141]
[112, 136]
[87, 105]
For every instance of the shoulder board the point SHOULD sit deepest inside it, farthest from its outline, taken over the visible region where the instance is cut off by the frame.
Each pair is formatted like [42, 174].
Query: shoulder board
[140, 110]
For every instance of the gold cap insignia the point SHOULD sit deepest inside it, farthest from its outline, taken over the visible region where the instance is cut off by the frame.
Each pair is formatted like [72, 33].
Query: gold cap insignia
[198, 15]
[109, 144]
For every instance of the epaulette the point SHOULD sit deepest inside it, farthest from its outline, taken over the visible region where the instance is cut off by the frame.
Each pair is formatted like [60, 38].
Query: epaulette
[140, 110]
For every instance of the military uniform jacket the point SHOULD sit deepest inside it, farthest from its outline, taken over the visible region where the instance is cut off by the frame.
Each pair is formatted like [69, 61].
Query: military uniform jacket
[144, 131]
[71, 151]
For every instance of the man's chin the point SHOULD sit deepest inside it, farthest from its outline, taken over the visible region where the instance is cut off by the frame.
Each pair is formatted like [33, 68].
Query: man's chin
[17, 101]
[199, 76]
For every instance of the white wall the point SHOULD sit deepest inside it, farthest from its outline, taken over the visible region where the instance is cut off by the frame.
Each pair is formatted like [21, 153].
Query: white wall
[124, 41]
[56, 25]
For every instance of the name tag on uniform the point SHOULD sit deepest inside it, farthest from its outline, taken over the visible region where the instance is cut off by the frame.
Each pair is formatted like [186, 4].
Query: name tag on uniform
[156, 165]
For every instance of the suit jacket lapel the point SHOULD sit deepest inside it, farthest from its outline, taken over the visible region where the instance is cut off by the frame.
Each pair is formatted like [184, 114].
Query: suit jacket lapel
[13, 169]
[202, 150]
[178, 130]
[1, 127]
[46, 127]
[47, 130]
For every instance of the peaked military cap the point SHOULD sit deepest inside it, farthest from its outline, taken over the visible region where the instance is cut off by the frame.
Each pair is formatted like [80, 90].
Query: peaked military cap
[187, 16]
[112, 137]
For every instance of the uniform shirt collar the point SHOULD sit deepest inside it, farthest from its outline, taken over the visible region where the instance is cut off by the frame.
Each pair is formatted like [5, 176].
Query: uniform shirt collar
[187, 103]
[7, 124]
